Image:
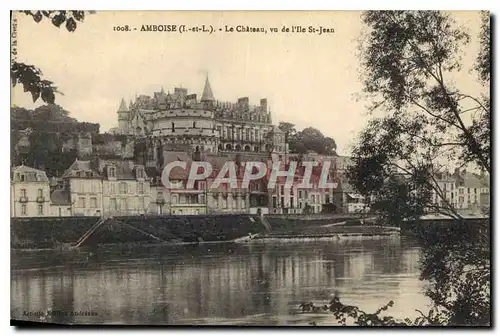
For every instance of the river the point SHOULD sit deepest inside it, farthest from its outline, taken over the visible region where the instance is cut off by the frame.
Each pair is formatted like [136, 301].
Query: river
[247, 284]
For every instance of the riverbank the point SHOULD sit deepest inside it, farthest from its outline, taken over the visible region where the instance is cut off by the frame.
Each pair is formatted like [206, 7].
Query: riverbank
[69, 232]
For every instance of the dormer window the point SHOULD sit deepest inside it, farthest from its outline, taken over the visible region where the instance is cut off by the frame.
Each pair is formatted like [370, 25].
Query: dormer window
[140, 172]
[111, 171]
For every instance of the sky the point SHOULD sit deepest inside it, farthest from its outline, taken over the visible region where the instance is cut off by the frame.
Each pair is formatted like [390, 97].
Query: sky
[310, 80]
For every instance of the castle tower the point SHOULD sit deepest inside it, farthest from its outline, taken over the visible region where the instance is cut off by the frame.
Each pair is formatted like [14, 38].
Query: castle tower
[207, 98]
[123, 117]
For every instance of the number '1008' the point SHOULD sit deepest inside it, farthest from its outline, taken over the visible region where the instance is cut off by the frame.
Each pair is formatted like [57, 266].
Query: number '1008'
[121, 28]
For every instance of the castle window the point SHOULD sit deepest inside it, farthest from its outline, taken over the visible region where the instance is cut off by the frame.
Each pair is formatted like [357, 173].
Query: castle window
[173, 127]
[140, 172]
[112, 172]
[194, 124]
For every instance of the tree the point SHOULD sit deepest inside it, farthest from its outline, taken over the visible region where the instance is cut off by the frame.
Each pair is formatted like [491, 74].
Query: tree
[29, 76]
[409, 59]
[287, 128]
[483, 63]
[458, 271]
[48, 128]
[413, 76]
[308, 139]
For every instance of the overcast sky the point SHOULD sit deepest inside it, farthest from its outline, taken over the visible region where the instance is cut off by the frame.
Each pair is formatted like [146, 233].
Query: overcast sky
[308, 79]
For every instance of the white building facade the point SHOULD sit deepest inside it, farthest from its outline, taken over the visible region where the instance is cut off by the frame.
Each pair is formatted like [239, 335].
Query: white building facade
[30, 192]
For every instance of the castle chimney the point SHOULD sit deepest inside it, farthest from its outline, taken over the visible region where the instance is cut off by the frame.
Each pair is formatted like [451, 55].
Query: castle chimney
[263, 104]
[243, 102]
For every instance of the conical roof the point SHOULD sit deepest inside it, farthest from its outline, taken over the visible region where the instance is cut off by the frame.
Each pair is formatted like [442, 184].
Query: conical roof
[123, 106]
[207, 92]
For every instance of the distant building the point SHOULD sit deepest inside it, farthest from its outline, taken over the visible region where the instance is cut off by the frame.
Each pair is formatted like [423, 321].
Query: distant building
[30, 192]
[468, 190]
[463, 190]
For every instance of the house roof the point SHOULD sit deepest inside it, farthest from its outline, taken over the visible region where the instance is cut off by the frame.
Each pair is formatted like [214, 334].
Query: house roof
[125, 169]
[30, 174]
[60, 197]
[470, 180]
[81, 166]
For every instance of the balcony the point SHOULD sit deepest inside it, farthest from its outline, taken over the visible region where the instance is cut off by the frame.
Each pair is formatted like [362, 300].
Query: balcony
[40, 199]
[23, 199]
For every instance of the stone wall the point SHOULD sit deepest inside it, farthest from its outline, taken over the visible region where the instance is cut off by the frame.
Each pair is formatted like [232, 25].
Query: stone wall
[53, 232]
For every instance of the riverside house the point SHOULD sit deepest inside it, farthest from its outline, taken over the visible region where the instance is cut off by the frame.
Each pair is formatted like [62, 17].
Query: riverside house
[29, 192]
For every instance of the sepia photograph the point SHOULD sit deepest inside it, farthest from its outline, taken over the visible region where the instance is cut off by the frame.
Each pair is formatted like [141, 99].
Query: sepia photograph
[250, 168]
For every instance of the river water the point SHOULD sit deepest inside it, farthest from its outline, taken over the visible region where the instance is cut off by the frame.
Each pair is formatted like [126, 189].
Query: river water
[247, 284]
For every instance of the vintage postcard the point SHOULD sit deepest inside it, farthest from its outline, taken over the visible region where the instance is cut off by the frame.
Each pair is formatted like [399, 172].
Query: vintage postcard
[255, 168]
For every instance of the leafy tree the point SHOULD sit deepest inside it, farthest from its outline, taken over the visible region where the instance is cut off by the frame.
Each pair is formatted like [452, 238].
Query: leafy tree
[307, 139]
[48, 128]
[29, 76]
[458, 271]
[483, 63]
[288, 128]
[409, 59]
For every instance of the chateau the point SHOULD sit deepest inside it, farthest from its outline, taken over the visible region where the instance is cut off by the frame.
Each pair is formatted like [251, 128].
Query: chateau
[204, 124]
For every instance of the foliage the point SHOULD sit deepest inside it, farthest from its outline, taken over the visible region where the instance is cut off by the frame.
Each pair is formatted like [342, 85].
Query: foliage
[29, 76]
[456, 263]
[483, 61]
[424, 128]
[307, 139]
[329, 208]
[48, 128]
[409, 60]
[353, 315]
[31, 79]
[414, 76]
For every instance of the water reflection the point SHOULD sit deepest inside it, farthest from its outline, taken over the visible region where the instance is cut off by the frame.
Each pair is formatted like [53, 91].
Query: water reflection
[256, 283]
